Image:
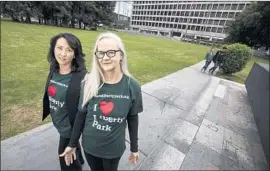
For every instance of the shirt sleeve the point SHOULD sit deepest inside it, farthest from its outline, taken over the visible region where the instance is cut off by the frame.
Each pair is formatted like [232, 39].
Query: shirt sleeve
[133, 125]
[137, 103]
[79, 122]
[133, 117]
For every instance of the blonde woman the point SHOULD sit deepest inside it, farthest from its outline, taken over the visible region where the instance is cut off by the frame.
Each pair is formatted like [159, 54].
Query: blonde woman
[110, 99]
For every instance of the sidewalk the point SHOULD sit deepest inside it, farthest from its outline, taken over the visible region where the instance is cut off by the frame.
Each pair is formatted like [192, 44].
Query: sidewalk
[191, 120]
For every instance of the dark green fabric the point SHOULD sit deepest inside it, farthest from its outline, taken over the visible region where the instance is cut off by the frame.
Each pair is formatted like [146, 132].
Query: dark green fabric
[57, 90]
[104, 131]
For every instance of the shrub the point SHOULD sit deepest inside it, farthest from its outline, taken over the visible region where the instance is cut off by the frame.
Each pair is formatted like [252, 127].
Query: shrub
[236, 58]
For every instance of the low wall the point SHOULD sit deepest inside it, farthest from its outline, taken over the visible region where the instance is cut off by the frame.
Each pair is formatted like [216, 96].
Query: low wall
[257, 85]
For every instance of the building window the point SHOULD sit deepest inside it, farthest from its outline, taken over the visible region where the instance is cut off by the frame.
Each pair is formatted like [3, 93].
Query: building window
[218, 14]
[175, 25]
[234, 7]
[184, 27]
[228, 6]
[176, 19]
[224, 15]
[219, 30]
[210, 22]
[201, 14]
[179, 26]
[198, 6]
[215, 6]
[214, 29]
[182, 13]
[204, 7]
[221, 6]
[208, 29]
[212, 14]
[179, 6]
[198, 28]
[231, 15]
[221, 23]
[196, 14]
[185, 20]
[241, 6]
[216, 22]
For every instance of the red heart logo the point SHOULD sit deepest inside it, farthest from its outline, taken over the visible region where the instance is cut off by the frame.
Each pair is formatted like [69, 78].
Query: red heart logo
[106, 107]
[52, 90]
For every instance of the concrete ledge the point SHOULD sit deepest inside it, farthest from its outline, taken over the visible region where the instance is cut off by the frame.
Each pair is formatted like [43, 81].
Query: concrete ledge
[257, 85]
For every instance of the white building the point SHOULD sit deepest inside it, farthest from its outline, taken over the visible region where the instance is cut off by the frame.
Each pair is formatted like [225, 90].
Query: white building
[186, 19]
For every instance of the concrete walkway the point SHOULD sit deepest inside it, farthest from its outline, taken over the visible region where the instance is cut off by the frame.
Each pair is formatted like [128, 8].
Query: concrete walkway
[191, 120]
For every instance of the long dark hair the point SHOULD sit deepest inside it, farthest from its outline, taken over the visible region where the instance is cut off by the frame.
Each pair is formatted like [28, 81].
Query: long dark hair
[78, 63]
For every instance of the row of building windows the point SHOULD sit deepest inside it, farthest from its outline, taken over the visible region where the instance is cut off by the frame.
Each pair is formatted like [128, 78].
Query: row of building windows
[188, 13]
[187, 20]
[192, 6]
[182, 26]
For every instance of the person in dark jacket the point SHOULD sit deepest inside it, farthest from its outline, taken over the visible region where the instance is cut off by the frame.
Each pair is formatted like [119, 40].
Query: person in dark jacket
[218, 60]
[110, 101]
[62, 90]
[208, 59]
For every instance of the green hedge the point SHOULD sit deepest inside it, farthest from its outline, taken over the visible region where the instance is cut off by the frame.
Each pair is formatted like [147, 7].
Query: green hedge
[236, 58]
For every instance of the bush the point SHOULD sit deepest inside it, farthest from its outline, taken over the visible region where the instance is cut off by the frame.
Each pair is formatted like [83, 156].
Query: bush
[236, 58]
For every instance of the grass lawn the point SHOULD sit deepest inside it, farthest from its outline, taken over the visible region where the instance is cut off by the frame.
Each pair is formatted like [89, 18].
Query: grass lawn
[24, 67]
[241, 76]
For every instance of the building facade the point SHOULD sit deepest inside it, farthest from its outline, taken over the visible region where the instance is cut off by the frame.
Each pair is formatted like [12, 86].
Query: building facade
[185, 19]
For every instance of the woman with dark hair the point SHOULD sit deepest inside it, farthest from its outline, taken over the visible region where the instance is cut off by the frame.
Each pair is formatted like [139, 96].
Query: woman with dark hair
[62, 90]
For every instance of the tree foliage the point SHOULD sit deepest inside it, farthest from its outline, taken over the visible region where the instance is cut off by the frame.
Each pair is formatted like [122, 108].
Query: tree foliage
[60, 13]
[252, 26]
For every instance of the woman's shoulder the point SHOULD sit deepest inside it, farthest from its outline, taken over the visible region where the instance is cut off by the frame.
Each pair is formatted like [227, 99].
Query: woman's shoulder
[133, 83]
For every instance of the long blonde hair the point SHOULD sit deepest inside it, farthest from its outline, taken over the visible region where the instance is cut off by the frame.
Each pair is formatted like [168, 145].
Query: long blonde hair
[92, 80]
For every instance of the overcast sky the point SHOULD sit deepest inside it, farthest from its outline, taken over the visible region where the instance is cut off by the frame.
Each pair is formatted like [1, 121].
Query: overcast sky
[123, 7]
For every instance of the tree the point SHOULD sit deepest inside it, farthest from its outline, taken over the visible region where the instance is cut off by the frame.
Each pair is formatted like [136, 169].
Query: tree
[90, 13]
[252, 26]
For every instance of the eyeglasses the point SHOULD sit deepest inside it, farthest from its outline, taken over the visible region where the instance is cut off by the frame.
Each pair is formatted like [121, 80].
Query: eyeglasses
[109, 53]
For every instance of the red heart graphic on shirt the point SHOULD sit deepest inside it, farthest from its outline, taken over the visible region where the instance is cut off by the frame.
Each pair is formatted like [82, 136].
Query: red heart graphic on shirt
[51, 91]
[106, 107]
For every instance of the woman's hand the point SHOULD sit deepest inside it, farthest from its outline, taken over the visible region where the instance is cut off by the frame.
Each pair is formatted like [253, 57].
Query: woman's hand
[133, 157]
[69, 154]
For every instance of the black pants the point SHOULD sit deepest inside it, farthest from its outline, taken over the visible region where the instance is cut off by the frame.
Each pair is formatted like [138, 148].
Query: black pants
[77, 164]
[99, 164]
[212, 70]
[207, 63]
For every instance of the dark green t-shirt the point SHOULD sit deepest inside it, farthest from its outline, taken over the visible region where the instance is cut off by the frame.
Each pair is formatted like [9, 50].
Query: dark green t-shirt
[104, 131]
[57, 89]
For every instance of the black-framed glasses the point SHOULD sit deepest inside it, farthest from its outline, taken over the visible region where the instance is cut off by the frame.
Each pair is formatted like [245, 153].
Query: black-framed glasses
[109, 53]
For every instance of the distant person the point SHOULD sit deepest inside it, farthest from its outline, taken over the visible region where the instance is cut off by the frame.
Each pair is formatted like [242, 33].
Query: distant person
[218, 59]
[111, 99]
[208, 59]
[62, 90]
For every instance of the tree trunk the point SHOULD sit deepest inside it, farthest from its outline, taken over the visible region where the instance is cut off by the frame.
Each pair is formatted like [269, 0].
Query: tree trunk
[28, 19]
[22, 19]
[80, 25]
